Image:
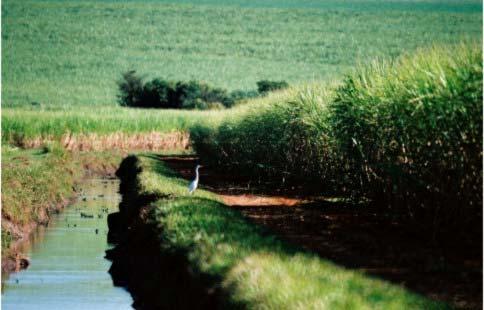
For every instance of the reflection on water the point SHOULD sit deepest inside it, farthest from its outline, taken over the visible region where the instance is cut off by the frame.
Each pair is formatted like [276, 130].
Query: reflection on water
[68, 269]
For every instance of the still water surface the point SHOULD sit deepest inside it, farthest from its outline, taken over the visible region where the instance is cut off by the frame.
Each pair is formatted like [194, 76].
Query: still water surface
[67, 266]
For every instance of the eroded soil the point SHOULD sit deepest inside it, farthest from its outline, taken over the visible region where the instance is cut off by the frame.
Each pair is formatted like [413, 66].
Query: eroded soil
[356, 237]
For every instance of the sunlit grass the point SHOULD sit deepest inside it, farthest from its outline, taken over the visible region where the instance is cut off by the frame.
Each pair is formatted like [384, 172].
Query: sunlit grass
[258, 271]
[71, 52]
[406, 133]
[24, 123]
[36, 181]
[31, 180]
[18, 124]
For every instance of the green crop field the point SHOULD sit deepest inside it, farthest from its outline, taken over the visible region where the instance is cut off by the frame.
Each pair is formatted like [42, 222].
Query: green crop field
[71, 52]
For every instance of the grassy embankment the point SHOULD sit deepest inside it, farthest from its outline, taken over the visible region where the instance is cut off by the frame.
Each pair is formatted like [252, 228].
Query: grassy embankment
[255, 269]
[405, 133]
[39, 182]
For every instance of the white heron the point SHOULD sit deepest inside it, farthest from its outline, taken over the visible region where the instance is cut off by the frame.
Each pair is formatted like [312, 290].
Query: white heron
[193, 186]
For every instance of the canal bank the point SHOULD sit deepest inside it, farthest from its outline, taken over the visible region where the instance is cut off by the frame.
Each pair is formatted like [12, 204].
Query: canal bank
[36, 185]
[181, 251]
[67, 266]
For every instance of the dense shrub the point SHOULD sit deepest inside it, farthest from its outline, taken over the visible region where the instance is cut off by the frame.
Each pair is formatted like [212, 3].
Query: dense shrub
[243, 95]
[130, 89]
[159, 93]
[405, 134]
[194, 94]
[265, 86]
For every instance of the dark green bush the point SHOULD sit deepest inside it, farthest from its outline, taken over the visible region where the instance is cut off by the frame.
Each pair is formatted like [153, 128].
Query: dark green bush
[130, 89]
[157, 94]
[186, 93]
[194, 94]
[216, 95]
[243, 95]
[265, 86]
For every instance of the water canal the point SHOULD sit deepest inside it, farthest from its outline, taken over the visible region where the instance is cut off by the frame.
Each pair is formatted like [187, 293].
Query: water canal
[67, 265]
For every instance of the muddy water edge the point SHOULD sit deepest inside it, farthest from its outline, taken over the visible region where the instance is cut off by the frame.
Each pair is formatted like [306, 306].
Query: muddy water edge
[67, 266]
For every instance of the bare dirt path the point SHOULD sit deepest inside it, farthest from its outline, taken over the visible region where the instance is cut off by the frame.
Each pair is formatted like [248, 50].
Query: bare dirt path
[353, 236]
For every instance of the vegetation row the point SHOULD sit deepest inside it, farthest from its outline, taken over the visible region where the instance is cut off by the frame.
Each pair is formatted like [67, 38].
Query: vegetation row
[253, 269]
[23, 125]
[404, 134]
[160, 93]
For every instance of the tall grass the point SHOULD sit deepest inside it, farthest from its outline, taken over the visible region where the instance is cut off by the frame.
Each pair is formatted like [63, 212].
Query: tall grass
[411, 133]
[22, 125]
[406, 133]
[286, 137]
[19, 125]
[38, 182]
[34, 184]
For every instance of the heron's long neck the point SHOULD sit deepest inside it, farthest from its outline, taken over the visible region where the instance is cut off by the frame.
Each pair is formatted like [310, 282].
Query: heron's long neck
[196, 171]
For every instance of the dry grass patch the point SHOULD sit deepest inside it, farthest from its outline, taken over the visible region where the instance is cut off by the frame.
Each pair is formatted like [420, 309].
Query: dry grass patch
[152, 141]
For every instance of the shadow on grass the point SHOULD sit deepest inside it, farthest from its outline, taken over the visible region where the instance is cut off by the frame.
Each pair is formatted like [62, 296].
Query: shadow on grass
[159, 278]
[160, 275]
[363, 237]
